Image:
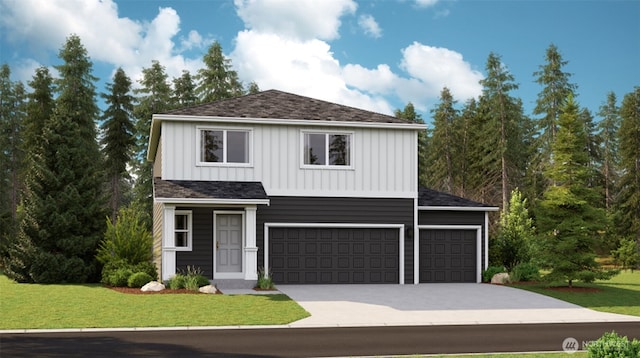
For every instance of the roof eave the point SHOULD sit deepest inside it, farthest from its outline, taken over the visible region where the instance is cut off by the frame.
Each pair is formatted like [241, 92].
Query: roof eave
[459, 208]
[190, 201]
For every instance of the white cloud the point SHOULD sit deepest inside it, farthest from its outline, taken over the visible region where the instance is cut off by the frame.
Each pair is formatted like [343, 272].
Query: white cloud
[304, 67]
[300, 19]
[45, 24]
[438, 67]
[426, 3]
[370, 26]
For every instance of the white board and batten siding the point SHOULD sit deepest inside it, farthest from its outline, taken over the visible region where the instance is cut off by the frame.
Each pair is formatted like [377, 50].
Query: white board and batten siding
[384, 161]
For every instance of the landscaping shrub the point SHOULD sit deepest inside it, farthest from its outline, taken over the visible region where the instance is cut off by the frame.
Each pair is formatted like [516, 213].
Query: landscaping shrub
[147, 267]
[176, 282]
[611, 345]
[191, 280]
[119, 277]
[525, 272]
[139, 279]
[264, 281]
[490, 272]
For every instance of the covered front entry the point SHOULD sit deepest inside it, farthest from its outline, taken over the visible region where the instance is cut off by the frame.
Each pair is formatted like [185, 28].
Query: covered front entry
[330, 255]
[449, 255]
[229, 234]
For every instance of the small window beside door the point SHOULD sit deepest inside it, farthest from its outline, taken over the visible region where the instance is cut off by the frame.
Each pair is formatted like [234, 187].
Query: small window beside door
[182, 230]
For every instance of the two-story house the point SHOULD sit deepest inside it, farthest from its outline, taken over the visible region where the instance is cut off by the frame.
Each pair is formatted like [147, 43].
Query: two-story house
[307, 190]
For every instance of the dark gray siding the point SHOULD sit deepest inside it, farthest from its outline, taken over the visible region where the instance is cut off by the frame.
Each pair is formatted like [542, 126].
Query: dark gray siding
[338, 210]
[201, 255]
[431, 217]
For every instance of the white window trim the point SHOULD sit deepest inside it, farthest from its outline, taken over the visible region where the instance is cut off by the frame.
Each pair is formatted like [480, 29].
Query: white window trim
[189, 246]
[327, 133]
[224, 163]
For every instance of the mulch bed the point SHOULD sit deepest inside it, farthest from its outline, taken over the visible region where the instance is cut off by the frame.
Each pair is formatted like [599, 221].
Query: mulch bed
[136, 291]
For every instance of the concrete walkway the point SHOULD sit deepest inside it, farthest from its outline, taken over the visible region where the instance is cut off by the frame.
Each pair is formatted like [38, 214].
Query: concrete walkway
[434, 304]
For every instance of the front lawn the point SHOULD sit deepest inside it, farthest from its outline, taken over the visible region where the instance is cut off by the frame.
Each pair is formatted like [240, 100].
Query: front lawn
[93, 306]
[620, 295]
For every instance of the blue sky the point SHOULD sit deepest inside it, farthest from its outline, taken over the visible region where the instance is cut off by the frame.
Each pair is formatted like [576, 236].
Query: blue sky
[377, 55]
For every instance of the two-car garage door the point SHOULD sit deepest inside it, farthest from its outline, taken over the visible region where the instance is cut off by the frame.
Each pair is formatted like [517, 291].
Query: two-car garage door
[302, 255]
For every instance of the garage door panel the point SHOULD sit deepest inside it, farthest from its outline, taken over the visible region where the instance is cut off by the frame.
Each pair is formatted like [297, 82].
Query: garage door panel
[335, 255]
[447, 255]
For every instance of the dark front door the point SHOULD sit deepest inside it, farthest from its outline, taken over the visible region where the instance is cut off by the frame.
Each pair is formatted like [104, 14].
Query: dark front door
[333, 255]
[447, 256]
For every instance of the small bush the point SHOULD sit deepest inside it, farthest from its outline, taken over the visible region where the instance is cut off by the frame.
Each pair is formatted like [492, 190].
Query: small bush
[191, 280]
[114, 273]
[264, 281]
[525, 272]
[119, 277]
[490, 272]
[176, 282]
[611, 345]
[139, 279]
[147, 267]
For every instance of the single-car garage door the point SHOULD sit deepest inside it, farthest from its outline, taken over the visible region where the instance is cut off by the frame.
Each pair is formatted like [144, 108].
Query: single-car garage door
[448, 256]
[333, 255]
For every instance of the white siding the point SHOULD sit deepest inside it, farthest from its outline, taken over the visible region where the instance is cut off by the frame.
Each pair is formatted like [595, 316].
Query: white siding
[383, 162]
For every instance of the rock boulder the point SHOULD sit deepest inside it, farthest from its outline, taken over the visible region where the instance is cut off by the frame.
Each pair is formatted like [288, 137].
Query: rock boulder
[153, 286]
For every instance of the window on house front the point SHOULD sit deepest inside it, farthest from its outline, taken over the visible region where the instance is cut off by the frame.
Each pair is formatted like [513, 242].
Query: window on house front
[182, 230]
[224, 146]
[327, 149]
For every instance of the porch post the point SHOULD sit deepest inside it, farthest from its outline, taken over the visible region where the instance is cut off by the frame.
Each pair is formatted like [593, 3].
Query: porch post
[250, 248]
[168, 245]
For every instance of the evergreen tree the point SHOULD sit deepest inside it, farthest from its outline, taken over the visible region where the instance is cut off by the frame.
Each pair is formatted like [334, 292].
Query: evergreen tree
[118, 137]
[40, 108]
[12, 114]
[567, 221]
[608, 132]
[505, 152]
[442, 141]
[629, 184]
[63, 203]
[184, 90]
[409, 113]
[464, 154]
[253, 88]
[217, 80]
[516, 233]
[154, 97]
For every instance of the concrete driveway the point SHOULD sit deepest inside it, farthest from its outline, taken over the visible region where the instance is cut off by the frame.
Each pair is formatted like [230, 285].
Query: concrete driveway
[434, 304]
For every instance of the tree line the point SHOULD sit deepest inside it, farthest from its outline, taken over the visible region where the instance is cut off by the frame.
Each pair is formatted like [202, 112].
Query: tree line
[65, 165]
[579, 176]
[573, 182]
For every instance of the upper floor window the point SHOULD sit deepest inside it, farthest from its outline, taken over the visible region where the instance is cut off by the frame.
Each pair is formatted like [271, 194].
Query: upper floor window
[224, 146]
[327, 149]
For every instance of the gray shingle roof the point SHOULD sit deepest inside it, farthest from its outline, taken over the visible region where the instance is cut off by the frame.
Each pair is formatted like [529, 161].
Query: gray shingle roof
[276, 104]
[197, 189]
[430, 197]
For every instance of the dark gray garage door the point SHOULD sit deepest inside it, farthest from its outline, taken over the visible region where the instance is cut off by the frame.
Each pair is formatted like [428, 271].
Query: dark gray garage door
[447, 256]
[333, 255]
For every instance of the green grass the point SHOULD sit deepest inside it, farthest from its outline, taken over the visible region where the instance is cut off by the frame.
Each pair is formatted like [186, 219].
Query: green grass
[507, 355]
[32, 306]
[620, 295]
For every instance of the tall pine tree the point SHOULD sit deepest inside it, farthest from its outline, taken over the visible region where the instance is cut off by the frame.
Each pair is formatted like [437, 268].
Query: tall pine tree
[217, 80]
[153, 97]
[567, 220]
[63, 204]
[442, 142]
[184, 90]
[629, 183]
[608, 132]
[118, 137]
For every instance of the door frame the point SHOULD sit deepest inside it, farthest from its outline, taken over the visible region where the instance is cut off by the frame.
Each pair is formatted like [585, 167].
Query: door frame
[400, 227]
[477, 228]
[229, 275]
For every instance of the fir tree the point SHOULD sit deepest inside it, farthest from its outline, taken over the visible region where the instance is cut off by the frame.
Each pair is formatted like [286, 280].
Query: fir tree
[154, 97]
[217, 80]
[568, 222]
[63, 204]
[516, 233]
[118, 139]
[442, 141]
[628, 202]
[608, 131]
[253, 88]
[184, 90]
